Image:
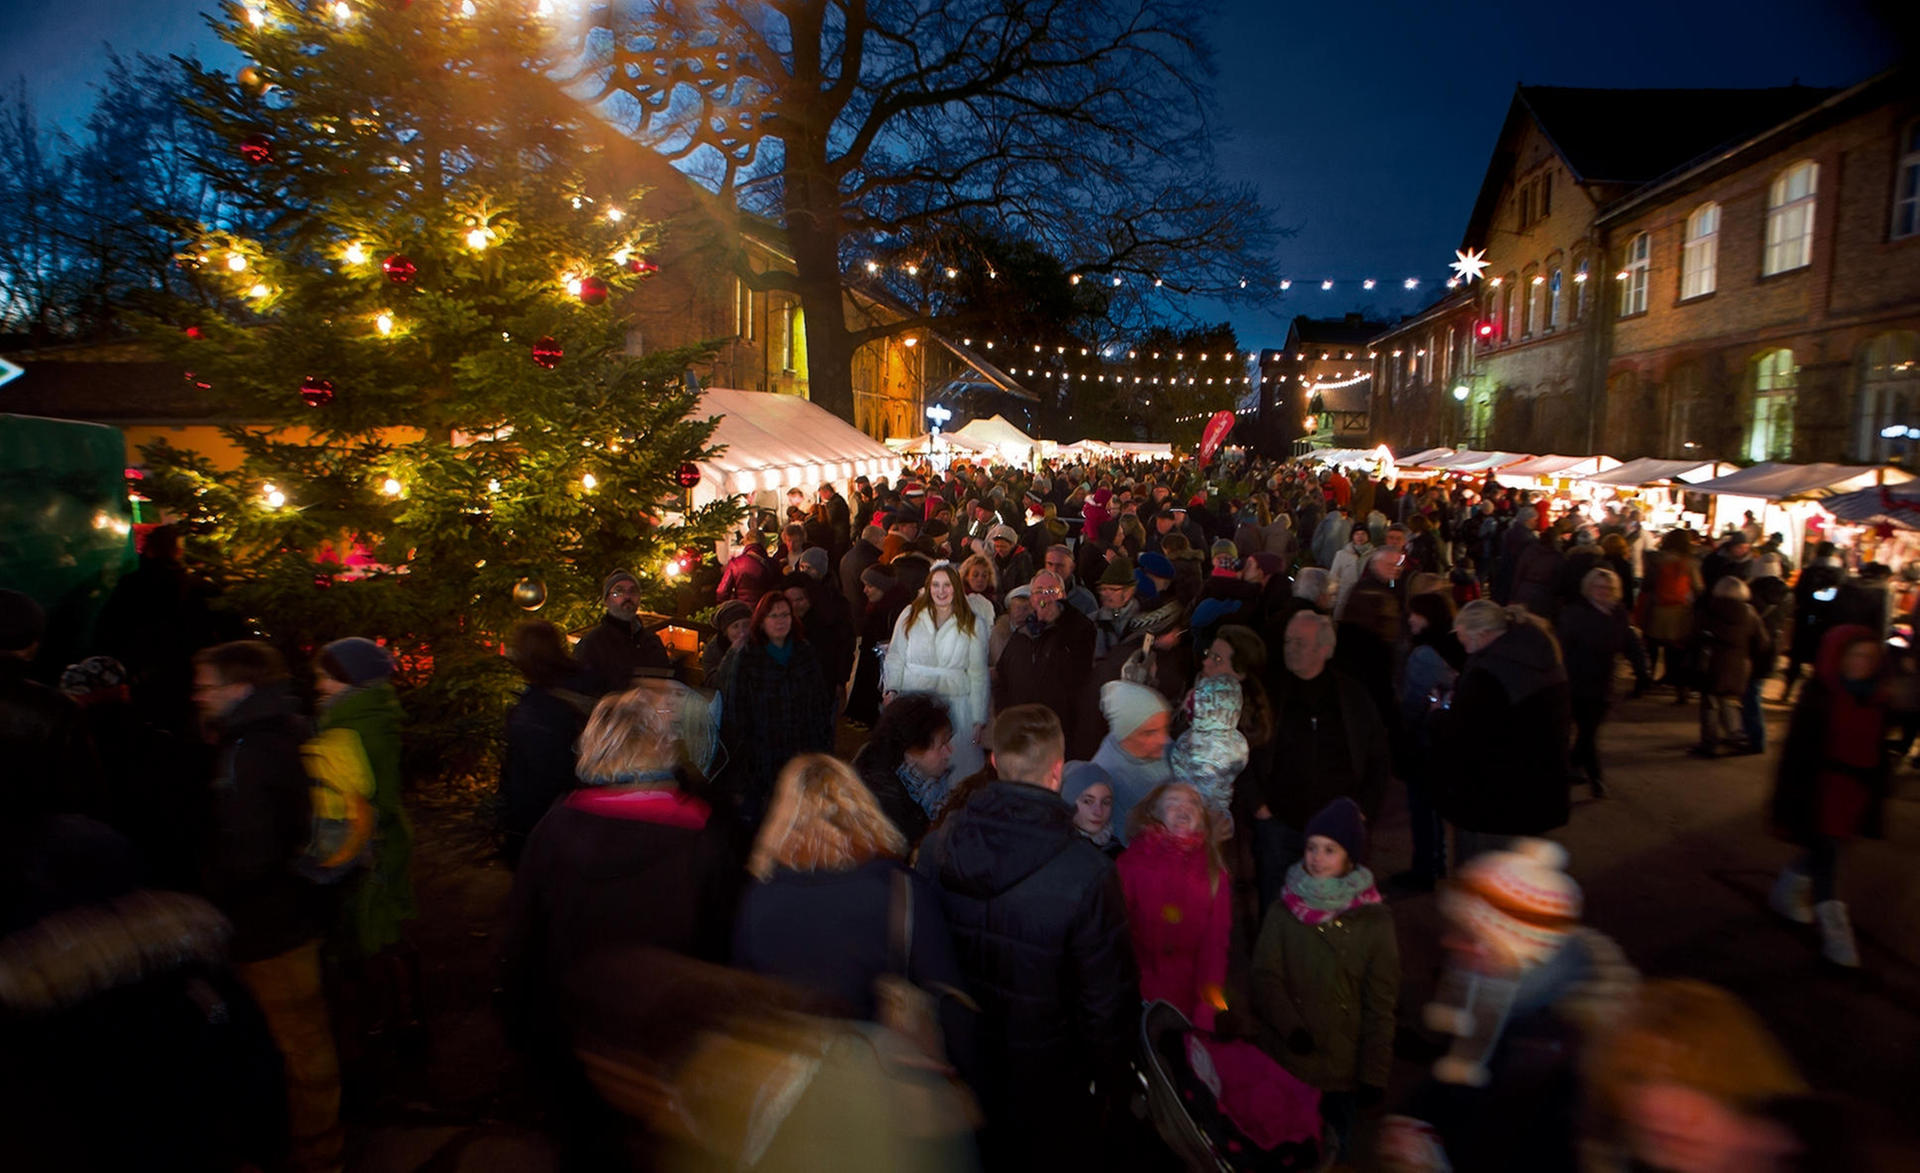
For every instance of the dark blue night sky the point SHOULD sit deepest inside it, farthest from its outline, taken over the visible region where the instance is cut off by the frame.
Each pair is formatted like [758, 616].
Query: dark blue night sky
[1365, 125]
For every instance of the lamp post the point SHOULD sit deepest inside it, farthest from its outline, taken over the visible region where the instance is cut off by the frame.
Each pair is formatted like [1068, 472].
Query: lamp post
[937, 415]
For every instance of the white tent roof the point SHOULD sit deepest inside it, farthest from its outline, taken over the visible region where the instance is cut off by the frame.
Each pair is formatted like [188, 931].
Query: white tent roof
[774, 442]
[923, 443]
[1422, 457]
[1899, 504]
[994, 432]
[1468, 460]
[1650, 471]
[1772, 481]
[1140, 448]
[1560, 466]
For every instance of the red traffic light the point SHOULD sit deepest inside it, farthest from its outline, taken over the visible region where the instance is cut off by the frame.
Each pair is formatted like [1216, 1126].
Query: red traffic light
[1486, 329]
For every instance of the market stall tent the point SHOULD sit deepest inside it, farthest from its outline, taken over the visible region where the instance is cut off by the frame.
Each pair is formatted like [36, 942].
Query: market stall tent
[1145, 450]
[1651, 471]
[776, 442]
[924, 443]
[1548, 468]
[1422, 458]
[1773, 481]
[1468, 460]
[997, 435]
[1896, 504]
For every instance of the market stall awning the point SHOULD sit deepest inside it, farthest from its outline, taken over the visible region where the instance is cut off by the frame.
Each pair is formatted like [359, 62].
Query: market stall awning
[1651, 471]
[1467, 460]
[1772, 481]
[777, 442]
[1559, 467]
[993, 432]
[1898, 504]
[1422, 458]
[923, 443]
[1151, 451]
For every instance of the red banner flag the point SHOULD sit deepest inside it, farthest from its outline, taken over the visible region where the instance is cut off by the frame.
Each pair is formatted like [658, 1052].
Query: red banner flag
[1217, 429]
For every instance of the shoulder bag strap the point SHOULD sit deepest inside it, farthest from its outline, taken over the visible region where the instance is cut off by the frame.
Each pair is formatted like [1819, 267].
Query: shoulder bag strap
[900, 924]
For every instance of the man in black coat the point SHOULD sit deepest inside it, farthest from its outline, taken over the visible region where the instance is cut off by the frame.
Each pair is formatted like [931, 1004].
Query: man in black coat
[620, 646]
[1039, 925]
[865, 553]
[1501, 745]
[262, 817]
[1328, 742]
[1048, 658]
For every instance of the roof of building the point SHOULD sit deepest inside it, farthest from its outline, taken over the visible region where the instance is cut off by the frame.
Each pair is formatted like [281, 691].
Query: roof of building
[1634, 136]
[1353, 330]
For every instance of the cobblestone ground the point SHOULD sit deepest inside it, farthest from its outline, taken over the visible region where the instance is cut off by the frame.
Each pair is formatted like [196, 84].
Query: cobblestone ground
[1676, 865]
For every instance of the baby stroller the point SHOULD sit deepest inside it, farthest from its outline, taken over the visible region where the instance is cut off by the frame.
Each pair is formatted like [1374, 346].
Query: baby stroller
[1198, 1086]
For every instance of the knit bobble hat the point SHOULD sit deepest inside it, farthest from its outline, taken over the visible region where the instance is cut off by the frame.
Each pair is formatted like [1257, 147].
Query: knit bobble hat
[615, 579]
[1127, 706]
[1224, 549]
[1077, 776]
[1342, 822]
[1119, 572]
[359, 661]
[1518, 904]
[1156, 564]
[729, 613]
[877, 577]
[815, 558]
[1003, 531]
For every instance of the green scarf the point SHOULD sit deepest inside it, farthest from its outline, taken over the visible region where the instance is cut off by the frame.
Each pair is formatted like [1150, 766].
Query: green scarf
[1316, 898]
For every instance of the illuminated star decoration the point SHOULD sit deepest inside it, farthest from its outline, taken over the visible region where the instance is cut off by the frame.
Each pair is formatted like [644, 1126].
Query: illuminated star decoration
[1469, 264]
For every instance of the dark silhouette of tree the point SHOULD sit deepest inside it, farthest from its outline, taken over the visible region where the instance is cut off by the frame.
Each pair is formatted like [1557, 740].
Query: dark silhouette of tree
[878, 134]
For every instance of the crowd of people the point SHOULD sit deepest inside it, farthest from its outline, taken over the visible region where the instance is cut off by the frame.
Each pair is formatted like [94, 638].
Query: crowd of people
[1120, 736]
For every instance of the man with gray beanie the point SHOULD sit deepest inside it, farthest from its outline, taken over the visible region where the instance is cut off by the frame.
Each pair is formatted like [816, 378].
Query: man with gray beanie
[620, 647]
[1134, 752]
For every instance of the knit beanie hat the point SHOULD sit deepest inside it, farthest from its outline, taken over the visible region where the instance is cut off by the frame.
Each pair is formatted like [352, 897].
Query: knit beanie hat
[1119, 572]
[1127, 706]
[878, 577]
[95, 674]
[1157, 564]
[612, 580]
[1518, 904]
[1269, 564]
[1342, 822]
[1224, 549]
[814, 558]
[729, 613]
[357, 661]
[1003, 531]
[22, 622]
[1077, 776]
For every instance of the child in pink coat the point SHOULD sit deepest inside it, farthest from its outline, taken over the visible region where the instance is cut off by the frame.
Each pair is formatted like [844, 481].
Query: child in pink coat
[1178, 901]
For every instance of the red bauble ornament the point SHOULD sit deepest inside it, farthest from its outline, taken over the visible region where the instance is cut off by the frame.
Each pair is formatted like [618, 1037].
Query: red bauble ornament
[399, 269]
[642, 266]
[195, 333]
[322, 580]
[593, 290]
[687, 475]
[315, 391]
[547, 353]
[256, 149]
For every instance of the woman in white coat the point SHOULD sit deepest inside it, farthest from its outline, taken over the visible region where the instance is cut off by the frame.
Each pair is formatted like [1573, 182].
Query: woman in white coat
[940, 646]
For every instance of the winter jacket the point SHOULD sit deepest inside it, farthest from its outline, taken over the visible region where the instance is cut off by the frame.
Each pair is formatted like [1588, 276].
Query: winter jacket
[830, 630]
[1132, 778]
[1345, 572]
[1501, 748]
[1666, 599]
[1039, 924]
[1833, 776]
[949, 663]
[607, 870]
[543, 728]
[381, 899]
[1536, 574]
[262, 818]
[855, 563]
[749, 574]
[1213, 751]
[1180, 919]
[769, 712]
[1049, 669]
[1591, 642]
[1812, 614]
[1773, 601]
[1732, 641]
[614, 650]
[1328, 741]
[1337, 982]
[882, 780]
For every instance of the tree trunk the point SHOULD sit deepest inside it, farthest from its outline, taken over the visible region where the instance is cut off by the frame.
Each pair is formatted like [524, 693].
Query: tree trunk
[813, 232]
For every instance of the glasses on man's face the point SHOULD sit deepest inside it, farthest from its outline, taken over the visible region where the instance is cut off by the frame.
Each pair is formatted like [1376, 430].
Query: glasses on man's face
[1046, 594]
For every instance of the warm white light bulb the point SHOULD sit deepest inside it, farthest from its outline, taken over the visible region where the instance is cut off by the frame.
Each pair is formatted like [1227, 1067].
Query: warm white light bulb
[493, 486]
[952, 273]
[355, 254]
[384, 324]
[477, 238]
[342, 11]
[391, 488]
[467, 10]
[256, 16]
[616, 215]
[573, 286]
[1286, 283]
[620, 255]
[258, 290]
[589, 482]
[236, 262]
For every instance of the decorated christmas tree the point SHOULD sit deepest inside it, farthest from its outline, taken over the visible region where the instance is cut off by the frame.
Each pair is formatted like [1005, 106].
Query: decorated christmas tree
[411, 307]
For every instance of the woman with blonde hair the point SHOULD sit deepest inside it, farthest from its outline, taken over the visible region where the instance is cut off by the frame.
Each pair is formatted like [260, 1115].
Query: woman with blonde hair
[1179, 899]
[833, 894]
[940, 646]
[979, 576]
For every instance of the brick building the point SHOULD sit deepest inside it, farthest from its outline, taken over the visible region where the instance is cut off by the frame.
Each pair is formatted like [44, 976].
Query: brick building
[1314, 390]
[1764, 301]
[1423, 377]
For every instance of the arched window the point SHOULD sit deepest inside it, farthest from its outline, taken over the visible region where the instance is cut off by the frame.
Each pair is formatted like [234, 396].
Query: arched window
[1889, 395]
[1770, 427]
[1906, 184]
[1634, 274]
[1509, 324]
[1699, 257]
[1790, 219]
[1683, 398]
[1555, 320]
[1581, 272]
[1536, 303]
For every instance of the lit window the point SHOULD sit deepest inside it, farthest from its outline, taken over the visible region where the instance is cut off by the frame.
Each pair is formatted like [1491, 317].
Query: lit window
[1699, 257]
[1633, 280]
[1582, 282]
[1554, 320]
[1889, 395]
[1770, 430]
[1536, 305]
[1509, 328]
[1790, 219]
[1906, 191]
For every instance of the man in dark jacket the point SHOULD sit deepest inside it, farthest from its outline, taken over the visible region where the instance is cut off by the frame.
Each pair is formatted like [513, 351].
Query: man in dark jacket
[749, 574]
[1501, 744]
[1594, 633]
[620, 647]
[1328, 742]
[1039, 925]
[1048, 658]
[864, 553]
[1814, 594]
[261, 821]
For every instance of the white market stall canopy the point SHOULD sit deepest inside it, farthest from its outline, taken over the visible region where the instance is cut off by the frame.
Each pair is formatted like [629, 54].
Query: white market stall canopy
[1559, 467]
[996, 432]
[776, 442]
[1344, 455]
[1142, 449]
[1089, 448]
[1771, 481]
[1467, 460]
[1650, 471]
[923, 443]
[1422, 458]
[1898, 504]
